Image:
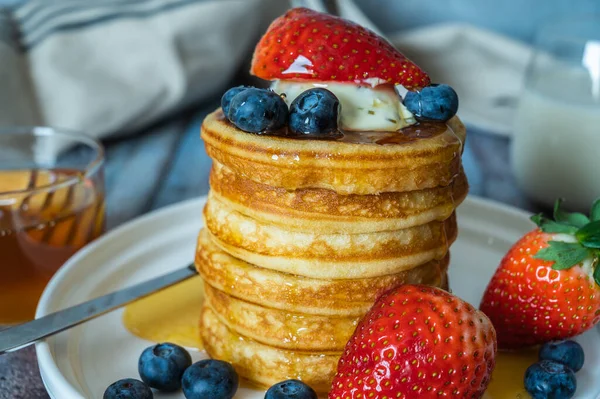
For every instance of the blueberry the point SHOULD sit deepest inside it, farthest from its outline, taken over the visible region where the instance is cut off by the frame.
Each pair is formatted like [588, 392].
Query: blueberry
[128, 388]
[550, 380]
[229, 94]
[569, 353]
[161, 366]
[210, 379]
[437, 102]
[291, 389]
[258, 111]
[315, 112]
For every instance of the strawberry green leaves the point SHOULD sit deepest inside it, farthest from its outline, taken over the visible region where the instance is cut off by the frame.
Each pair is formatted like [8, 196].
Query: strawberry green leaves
[597, 274]
[586, 233]
[574, 223]
[589, 235]
[550, 226]
[574, 219]
[595, 212]
[564, 254]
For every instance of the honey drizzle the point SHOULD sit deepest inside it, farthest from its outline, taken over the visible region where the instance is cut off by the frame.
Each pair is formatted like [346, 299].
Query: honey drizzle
[409, 134]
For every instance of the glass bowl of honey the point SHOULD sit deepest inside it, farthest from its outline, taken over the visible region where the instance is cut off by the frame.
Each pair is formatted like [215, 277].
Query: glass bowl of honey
[51, 205]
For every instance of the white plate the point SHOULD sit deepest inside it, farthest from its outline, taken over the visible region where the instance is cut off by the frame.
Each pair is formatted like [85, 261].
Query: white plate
[82, 362]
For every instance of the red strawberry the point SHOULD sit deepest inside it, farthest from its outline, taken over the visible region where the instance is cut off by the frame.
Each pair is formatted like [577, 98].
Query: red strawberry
[305, 44]
[417, 342]
[546, 287]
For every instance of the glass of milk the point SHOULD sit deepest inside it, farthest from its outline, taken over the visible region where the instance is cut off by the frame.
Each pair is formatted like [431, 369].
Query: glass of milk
[556, 143]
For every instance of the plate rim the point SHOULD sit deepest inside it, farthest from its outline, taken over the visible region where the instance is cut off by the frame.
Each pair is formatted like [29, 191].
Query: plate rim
[52, 377]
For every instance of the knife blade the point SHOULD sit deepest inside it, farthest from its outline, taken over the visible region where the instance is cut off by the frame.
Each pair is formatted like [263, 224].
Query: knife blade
[30, 332]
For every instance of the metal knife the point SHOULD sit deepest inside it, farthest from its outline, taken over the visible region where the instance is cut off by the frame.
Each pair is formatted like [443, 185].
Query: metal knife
[27, 333]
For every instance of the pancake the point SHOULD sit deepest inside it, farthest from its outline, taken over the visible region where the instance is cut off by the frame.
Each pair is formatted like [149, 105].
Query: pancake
[280, 328]
[302, 236]
[309, 210]
[262, 364]
[333, 256]
[414, 159]
[299, 294]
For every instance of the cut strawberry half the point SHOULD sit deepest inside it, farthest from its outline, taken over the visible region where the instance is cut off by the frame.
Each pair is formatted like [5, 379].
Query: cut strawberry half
[307, 45]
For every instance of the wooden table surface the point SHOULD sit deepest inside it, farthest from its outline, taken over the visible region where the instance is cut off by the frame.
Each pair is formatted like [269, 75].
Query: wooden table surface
[167, 164]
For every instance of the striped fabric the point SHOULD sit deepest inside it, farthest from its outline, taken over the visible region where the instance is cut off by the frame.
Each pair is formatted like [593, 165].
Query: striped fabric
[36, 20]
[7, 29]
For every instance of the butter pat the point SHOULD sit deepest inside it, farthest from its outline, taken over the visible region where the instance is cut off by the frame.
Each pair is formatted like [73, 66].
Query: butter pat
[363, 108]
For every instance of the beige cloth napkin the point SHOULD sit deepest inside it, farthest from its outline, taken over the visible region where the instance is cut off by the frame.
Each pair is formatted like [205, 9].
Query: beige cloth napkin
[126, 65]
[115, 68]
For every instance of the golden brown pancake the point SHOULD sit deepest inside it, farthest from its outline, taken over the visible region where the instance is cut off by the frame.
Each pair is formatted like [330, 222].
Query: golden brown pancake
[299, 294]
[325, 211]
[281, 328]
[335, 256]
[262, 364]
[429, 157]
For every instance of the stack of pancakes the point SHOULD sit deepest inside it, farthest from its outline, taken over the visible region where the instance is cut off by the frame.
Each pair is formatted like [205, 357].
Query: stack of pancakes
[302, 236]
